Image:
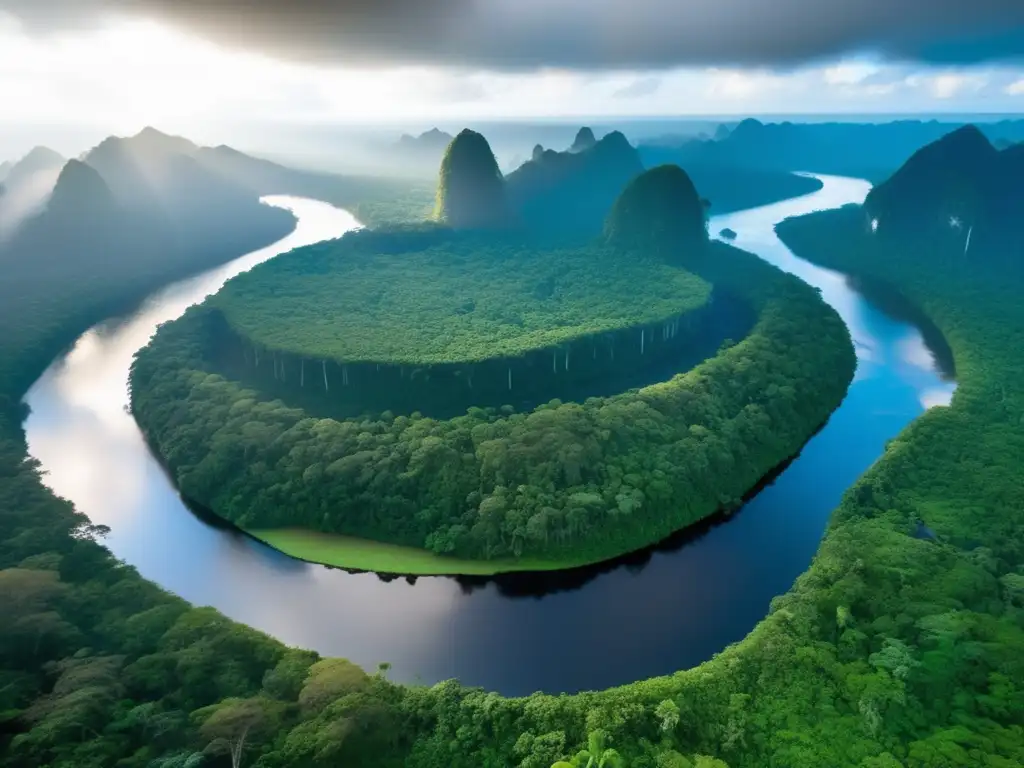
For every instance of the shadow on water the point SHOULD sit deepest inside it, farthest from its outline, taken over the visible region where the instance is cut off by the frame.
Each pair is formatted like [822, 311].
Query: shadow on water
[272, 558]
[895, 305]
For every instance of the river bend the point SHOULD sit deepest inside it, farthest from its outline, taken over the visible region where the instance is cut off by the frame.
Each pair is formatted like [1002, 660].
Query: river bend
[652, 614]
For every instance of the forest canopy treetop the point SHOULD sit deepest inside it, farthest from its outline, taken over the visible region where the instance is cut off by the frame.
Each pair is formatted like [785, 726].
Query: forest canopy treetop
[461, 299]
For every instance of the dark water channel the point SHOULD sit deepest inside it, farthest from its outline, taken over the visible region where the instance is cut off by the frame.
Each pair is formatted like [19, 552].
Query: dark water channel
[650, 614]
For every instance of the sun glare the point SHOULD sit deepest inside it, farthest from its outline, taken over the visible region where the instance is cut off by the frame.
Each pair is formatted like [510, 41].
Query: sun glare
[130, 74]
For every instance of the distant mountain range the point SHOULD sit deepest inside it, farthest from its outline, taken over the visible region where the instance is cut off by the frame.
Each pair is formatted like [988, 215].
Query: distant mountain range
[198, 191]
[39, 160]
[148, 199]
[26, 185]
[958, 185]
[584, 140]
[418, 155]
[869, 150]
[572, 191]
[432, 141]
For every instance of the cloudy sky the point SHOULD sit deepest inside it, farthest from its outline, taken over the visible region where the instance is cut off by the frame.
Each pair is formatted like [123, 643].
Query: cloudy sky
[116, 65]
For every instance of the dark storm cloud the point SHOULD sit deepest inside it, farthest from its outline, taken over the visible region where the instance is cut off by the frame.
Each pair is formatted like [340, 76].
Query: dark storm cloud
[586, 34]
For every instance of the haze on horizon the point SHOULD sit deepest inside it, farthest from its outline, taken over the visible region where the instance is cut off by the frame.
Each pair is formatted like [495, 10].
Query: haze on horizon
[73, 71]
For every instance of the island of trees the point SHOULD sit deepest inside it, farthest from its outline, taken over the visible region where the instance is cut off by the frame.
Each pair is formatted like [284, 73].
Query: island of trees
[484, 312]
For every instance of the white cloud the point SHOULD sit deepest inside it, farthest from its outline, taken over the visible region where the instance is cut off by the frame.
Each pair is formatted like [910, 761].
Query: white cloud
[946, 85]
[119, 78]
[849, 72]
[736, 84]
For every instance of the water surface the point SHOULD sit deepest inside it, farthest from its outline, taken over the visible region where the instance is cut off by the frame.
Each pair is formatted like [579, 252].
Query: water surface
[644, 616]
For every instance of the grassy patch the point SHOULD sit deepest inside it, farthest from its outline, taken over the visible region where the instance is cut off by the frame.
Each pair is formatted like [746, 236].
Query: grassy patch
[367, 555]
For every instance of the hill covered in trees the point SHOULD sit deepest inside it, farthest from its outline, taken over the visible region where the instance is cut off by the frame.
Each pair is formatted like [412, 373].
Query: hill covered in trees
[956, 186]
[38, 160]
[74, 250]
[584, 140]
[559, 484]
[471, 190]
[158, 177]
[659, 212]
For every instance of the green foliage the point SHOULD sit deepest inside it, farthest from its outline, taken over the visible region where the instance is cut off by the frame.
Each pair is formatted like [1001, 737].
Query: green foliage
[890, 651]
[659, 212]
[471, 189]
[576, 482]
[424, 297]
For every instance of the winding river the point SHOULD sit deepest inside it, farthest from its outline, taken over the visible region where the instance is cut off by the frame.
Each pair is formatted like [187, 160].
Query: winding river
[650, 614]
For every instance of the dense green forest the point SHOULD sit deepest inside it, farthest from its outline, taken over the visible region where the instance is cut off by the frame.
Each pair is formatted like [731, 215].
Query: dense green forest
[433, 320]
[440, 297]
[575, 481]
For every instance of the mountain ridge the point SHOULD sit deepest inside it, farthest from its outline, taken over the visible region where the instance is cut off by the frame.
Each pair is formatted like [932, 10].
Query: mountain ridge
[957, 186]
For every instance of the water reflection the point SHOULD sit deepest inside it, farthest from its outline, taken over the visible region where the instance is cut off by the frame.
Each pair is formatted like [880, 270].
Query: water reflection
[671, 607]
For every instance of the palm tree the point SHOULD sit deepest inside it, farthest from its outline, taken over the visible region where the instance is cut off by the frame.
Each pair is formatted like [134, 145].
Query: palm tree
[596, 755]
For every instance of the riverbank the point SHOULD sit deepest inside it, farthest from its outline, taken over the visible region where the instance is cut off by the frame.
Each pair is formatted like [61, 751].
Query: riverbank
[565, 484]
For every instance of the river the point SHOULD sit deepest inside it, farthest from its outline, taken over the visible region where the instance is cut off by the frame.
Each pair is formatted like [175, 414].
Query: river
[651, 614]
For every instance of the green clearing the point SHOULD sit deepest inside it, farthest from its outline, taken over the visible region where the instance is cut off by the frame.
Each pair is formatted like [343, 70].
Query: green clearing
[366, 555]
[437, 297]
